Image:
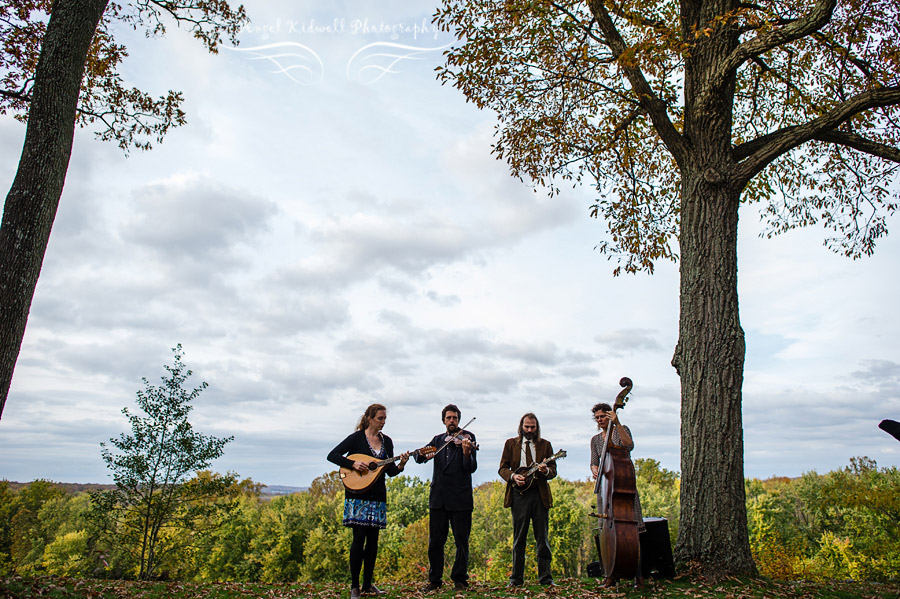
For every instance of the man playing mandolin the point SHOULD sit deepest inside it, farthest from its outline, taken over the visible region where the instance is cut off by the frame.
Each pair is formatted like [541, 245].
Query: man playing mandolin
[450, 500]
[529, 496]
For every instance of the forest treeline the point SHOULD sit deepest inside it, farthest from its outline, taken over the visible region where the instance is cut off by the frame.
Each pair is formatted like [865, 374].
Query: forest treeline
[840, 525]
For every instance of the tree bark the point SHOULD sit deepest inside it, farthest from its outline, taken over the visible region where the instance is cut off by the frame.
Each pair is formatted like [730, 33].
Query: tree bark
[709, 358]
[32, 201]
[712, 534]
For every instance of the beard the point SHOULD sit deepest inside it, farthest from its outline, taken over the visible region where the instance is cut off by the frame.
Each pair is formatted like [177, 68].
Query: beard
[452, 428]
[529, 436]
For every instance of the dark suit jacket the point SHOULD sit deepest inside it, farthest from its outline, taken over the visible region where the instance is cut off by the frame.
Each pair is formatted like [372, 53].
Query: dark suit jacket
[451, 480]
[509, 463]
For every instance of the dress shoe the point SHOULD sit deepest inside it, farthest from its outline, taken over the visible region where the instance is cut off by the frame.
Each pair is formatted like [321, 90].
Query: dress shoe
[354, 593]
[461, 586]
[431, 586]
[513, 585]
[550, 584]
[373, 590]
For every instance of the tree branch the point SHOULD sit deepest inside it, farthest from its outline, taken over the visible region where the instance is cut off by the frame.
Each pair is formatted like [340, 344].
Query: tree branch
[15, 95]
[648, 99]
[815, 19]
[756, 154]
[858, 142]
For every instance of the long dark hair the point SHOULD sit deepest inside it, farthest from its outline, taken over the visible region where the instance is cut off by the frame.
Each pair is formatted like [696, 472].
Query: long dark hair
[537, 431]
[368, 415]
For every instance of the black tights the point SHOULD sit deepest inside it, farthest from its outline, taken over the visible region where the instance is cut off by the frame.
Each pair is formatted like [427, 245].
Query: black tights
[363, 550]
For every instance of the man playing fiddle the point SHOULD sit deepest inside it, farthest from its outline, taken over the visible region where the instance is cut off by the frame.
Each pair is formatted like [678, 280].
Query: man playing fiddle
[450, 500]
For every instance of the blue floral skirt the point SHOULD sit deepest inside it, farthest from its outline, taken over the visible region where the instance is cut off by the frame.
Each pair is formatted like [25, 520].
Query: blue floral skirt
[364, 512]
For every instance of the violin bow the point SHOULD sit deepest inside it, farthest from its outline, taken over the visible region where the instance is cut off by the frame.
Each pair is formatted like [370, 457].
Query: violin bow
[449, 441]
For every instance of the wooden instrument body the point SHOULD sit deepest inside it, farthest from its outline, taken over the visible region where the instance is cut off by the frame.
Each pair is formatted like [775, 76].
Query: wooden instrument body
[360, 482]
[620, 549]
[529, 471]
[616, 489]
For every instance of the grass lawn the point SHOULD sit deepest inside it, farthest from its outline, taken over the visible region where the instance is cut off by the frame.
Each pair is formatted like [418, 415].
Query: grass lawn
[53, 587]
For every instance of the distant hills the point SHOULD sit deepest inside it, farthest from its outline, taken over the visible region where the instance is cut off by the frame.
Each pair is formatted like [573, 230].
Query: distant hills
[282, 490]
[68, 487]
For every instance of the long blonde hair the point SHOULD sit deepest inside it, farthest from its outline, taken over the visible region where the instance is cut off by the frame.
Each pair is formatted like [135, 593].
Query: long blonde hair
[368, 415]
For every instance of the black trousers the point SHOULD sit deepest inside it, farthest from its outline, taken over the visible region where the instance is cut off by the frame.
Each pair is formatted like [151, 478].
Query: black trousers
[439, 522]
[363, 553]
[528, 509]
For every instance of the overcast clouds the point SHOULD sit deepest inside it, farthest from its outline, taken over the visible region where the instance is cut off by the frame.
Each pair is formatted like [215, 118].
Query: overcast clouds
[330, 230]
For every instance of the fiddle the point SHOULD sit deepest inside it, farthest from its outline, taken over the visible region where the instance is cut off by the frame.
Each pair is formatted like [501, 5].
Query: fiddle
[454, 438]
[458, 440]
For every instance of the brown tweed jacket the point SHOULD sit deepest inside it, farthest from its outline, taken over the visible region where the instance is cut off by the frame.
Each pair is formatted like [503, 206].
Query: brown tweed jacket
[509, 463]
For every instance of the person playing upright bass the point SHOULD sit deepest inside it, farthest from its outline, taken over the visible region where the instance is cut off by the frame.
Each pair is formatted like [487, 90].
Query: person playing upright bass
[620, 437]
[450, 500]
[530, 499]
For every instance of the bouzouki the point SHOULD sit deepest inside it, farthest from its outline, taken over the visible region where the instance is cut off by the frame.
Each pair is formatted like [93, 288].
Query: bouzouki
[528, 471]
[359, 482]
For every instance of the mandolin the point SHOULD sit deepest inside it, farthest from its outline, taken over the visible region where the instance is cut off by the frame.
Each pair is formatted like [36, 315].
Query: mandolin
[359, 482]
[528, 471]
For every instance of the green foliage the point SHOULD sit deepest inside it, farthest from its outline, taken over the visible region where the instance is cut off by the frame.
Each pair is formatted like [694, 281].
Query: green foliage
[570, 527]
[837, 526]
[775, 540]
[28, 536]
[842, 525]
[659, 489]
[856, 514]
[490, 542]
[409, 499]
[67, 555]
[6, 513]
[155, 511]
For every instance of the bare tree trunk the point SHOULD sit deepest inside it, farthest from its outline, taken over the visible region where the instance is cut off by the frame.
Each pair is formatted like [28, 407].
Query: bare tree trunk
[710, 361]
[34, 196]
[712, 533]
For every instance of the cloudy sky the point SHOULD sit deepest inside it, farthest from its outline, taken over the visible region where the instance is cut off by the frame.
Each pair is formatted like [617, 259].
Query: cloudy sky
[330, 230]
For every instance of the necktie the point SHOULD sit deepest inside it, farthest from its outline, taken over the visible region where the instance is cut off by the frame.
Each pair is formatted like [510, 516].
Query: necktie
[528, 459]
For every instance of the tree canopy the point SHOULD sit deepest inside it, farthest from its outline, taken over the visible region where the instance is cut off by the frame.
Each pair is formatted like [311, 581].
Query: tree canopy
[603, 90]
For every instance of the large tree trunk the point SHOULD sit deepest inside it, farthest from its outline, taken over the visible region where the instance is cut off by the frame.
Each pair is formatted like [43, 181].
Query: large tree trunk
[34, 196]
[712, 534]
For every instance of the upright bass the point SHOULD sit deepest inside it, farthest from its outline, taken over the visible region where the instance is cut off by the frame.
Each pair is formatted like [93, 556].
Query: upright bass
[619, 545]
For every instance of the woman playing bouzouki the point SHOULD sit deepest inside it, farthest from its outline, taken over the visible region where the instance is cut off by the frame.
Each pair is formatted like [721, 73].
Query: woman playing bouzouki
[366, 512]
